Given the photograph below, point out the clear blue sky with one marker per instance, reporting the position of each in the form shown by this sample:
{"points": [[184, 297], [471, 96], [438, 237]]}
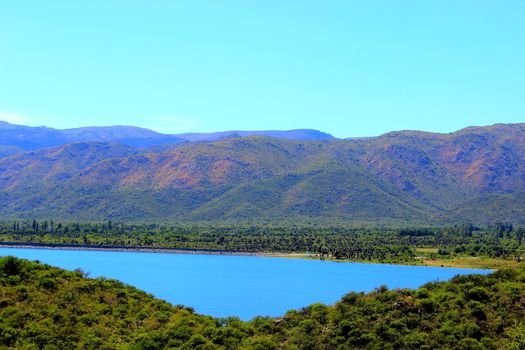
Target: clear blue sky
{"points": [[351, 68]]}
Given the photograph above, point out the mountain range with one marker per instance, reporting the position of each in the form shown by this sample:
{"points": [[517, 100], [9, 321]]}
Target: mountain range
{"points": [[473, 175], [18, 138]]}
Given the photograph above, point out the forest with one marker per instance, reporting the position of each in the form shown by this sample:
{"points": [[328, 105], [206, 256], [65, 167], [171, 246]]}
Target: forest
{"points": [[42, 307], [409, 245]]}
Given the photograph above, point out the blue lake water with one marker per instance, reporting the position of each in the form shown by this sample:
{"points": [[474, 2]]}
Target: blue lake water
{"points": [[243, 286]]}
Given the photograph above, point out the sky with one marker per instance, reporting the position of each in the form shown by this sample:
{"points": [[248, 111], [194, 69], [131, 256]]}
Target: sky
{"points": [[350, 68]]}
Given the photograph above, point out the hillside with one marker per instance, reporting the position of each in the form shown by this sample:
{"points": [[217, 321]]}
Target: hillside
{"points": [[473, 175], [49, 308]]}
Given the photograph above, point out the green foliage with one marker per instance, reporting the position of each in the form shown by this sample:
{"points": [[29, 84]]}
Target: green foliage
{"points": [[336, 241], [10, 266]]}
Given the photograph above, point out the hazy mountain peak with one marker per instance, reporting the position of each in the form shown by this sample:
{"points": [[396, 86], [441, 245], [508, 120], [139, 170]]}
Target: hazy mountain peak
{"points": [[17, 138], [111, 131], [295, 134]]}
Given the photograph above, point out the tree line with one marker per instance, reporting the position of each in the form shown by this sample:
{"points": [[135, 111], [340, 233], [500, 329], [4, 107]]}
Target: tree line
{"points": [[498, 240]]}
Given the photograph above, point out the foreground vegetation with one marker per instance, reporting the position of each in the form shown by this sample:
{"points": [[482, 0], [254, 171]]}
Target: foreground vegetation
{"points": [[463, 246], [42, 307]]}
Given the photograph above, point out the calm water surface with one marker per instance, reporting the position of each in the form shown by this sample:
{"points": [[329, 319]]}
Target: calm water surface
{"points": [[243, 286]]}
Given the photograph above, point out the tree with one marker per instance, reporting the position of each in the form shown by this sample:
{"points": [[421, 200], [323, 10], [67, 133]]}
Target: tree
{"points": [[10, 266], [520, 234]]}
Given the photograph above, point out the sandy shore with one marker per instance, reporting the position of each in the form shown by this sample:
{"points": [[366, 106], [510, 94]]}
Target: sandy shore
{"points": [[144, 249], [468, 263]]}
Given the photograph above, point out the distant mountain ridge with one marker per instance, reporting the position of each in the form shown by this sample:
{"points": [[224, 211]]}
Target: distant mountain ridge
{"points": [[298, 134], [473, 175], [18, 138]]}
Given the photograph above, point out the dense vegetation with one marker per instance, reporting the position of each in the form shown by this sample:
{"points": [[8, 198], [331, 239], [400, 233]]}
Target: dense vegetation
{"points": [[406, 245], [42, 307]]}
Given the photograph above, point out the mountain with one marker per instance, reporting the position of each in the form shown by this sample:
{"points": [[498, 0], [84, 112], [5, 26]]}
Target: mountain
{"points": [[23, 138], [18, 138], [473, 175], [37, 170], [128, 135], [298, 134]]}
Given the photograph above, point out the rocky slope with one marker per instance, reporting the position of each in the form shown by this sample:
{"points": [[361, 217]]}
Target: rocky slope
{"points": [[476, 175]]}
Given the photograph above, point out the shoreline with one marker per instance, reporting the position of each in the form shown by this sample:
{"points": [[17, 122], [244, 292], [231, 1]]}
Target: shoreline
{"points": [[460, 263], [138, 249]]}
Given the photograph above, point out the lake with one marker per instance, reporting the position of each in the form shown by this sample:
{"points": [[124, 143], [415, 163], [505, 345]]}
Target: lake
{"points": [[243, 286]]}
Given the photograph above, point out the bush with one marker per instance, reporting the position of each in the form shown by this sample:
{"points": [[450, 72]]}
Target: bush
{"points": [[10, 266]]}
